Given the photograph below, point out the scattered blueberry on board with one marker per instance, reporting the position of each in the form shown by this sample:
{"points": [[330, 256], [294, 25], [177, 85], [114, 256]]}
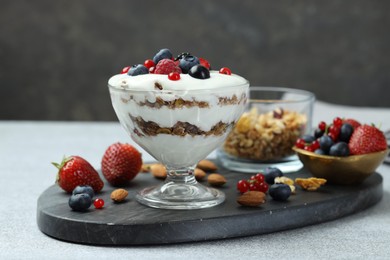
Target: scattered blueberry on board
{"points": [[84, 189], [270, 173], [80, 202], [279, 191]]}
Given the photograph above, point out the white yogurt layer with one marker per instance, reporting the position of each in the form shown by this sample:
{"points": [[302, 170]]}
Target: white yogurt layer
{"points": [[129, 94], [186, 82]]}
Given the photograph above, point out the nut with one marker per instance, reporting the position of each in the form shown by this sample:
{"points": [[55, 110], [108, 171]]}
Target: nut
{"points": [[146, 167], [251, 198], [158, 171], [216, 179], [119, 195], [265, 135], [207, 166], [199, 174], [310, 184]]}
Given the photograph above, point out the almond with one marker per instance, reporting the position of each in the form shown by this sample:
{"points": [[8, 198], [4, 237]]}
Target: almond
{"points": [[158, 171], [199, 174], [216, 179], [251, 198], [119, 195], [207, 166]]}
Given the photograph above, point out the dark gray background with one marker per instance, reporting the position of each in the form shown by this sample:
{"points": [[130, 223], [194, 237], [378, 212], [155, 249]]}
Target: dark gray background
{"points": [[56, 56]]}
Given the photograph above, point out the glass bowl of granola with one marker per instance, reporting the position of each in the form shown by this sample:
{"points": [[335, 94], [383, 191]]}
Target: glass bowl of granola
{"points": [[265, 134]]}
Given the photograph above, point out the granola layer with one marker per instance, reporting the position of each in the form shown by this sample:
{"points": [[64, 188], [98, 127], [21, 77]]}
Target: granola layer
{"points": [[151, 128], [180, 102]]}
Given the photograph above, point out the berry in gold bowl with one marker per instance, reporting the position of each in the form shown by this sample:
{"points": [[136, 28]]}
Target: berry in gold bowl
{"points": [[348, 170]]}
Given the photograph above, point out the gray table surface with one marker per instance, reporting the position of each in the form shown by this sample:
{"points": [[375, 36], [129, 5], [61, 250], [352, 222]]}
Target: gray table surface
{"points": [[28, 147]]}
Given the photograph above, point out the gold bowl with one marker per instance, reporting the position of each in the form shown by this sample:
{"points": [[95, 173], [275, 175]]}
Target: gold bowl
{"points": [[348, 170]]}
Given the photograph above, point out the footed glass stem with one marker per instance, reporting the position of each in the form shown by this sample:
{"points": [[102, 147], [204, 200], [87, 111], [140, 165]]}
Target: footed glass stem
{"points": [[180, 190]]}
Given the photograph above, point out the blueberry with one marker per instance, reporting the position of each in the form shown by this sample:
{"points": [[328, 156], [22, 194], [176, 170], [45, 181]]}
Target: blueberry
{"points": [[80, 202], [318, 133], [162, 54], [320, 152], [308, 138], [325, 143], [84, 189], [339, 149], [345, 132], [199, 72], [270, 173], [279, 191], [188, 61], [137, 70]]}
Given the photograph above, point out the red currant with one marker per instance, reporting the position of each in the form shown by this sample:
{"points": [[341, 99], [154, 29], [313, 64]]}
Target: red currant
{"points": [[204, 63], [151, 70], [300, 143], [149, 63], [309, 148], [254, 186], [242, 186], [225, 70], [333, 136], [335, 131], [338, 122], [125, 69], [174, 76], [98, 203], [263, 187], [260, 177], [322, 126], [315, 145]]}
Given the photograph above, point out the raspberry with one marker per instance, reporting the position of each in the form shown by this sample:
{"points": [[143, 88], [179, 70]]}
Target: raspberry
{"points": [[166, 66]]}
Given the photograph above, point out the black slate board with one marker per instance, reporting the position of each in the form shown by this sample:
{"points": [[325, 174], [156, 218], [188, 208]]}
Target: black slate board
{"points": [[131, 223]]}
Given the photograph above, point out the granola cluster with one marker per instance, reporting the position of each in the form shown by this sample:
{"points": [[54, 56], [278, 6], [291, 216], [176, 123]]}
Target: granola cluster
{"points": [[265, 136], [179, 129]]}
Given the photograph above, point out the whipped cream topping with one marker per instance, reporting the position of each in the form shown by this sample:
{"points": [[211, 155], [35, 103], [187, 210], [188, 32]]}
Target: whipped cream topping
{"points": [[186, 82]]}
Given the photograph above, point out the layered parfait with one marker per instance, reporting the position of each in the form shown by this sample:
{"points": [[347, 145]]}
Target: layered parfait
{"points": [[178, 110]]}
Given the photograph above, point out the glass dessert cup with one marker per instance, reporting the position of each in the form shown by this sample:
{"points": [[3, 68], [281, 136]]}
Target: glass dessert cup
{"points": [[265, 134], [179, 128]]}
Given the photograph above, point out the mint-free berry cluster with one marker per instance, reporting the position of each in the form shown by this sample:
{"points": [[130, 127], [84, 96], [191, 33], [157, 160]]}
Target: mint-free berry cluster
{"points": [[343, 137], [164, 62], [81, 198], [265, 182]]}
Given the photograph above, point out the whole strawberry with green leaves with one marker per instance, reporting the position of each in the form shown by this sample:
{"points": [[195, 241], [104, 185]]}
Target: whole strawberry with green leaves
{"points": [[367, 139], [75, 171], [121, 163]]}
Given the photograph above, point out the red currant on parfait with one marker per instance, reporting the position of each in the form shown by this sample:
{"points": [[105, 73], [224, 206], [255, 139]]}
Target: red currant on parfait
{"points": [[98, 203], [225, 70], [174, 76], [125, 69], [205, 63], [149, 63]]}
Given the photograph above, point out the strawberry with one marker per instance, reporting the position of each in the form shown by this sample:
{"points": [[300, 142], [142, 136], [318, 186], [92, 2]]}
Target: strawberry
{"points": [[354, 123], [121, 163], [74, 171], [367, 139], [166, 66]]}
